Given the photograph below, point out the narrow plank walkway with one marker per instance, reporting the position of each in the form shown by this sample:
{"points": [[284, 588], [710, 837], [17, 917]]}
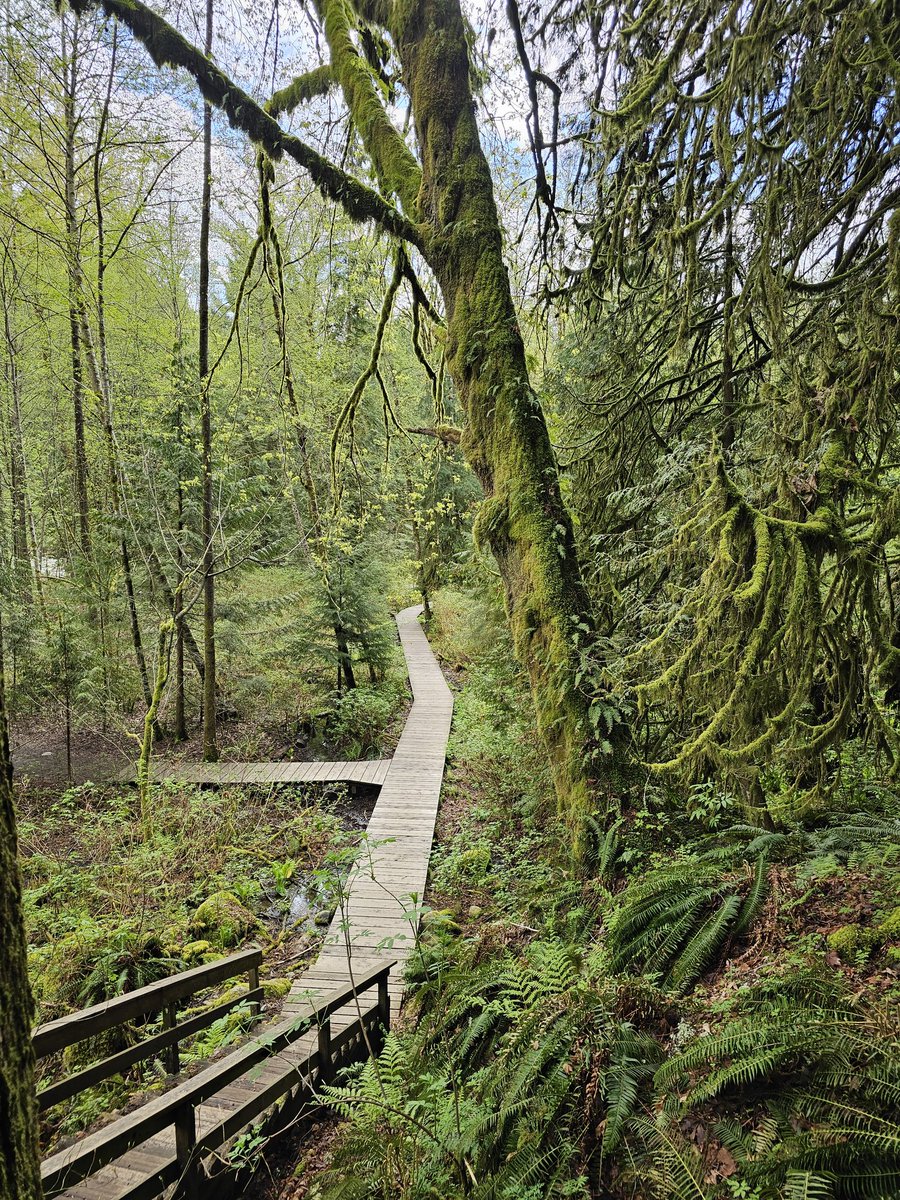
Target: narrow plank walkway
{"points": [[379, 915], [372, 771], [376, 921]]}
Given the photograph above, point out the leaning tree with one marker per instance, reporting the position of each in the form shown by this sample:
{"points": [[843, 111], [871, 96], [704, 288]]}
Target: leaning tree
{"points": [[437, 202]]}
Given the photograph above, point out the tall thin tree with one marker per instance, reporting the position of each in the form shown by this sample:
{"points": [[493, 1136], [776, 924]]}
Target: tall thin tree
{"points": [[210, 747], [20, 1177]]}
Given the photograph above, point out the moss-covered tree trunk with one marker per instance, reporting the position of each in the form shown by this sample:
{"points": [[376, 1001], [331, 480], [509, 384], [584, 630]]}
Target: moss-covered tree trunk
{"points": [[523, 519], [19, 1164]]}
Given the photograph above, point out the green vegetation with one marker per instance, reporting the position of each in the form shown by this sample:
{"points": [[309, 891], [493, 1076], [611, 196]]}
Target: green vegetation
{"points": [[708, 1011], [578, 323]]}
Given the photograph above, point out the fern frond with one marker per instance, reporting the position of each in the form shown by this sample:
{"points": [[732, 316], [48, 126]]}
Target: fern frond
{"points": [[696, 955], [803, 1185]]}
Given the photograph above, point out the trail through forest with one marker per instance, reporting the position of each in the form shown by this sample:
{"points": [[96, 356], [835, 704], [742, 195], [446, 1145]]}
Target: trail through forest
{"points": [[577, 325]]}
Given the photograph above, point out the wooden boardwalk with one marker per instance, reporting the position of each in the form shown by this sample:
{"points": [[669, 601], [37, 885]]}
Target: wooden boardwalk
{"points": [[379, 917], [372, 771], [377, 921]]}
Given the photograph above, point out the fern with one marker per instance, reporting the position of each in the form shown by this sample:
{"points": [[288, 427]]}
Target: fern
{"points": [[631, 1060], [674, 1166], [675, 921], [803, 1185]]}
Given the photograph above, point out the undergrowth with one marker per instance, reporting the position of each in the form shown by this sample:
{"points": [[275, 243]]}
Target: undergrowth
{"points": [[109, 910], [708, 1012]]}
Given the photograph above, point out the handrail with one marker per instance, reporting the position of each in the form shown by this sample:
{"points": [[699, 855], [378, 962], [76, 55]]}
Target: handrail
{"points": [[176, 1107], [163, 995], [66, 1031]]}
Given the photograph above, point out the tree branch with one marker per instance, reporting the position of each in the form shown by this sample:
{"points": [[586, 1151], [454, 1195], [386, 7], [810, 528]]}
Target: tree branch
{"points": [[398, 171], [448, 434], [168, 48], [301, 89]]}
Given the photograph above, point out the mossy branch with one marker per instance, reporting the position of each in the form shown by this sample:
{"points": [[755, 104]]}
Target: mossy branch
{"points": [[301, 90], [396, 167], [143, 766], [168, 48]]}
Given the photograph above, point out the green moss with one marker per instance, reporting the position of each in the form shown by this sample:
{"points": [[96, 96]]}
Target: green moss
{"points": [[195, 952], [491, 521], [852, 941], [398, 172], [300, 90], [846, 941], [275, 989], [224, 919], [889, 929]]}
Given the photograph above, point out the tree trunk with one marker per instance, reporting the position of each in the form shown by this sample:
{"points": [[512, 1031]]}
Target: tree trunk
{"points": [[20, 1175], [210, 748], [523, 518], [18, 482], [174, 605], [103, 386], [180, 731], [73, 257]]}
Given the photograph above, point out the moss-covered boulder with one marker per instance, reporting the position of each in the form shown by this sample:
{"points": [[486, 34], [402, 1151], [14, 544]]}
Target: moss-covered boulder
{"points": [[889, 929], [275, 989], [845, 941], [196, 952], [853, 941], [223, 920]]}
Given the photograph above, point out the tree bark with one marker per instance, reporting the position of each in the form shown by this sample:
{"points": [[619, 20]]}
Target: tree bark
{"points": [[73, 258], [20, 1174], [210, 748], [18, 476]]}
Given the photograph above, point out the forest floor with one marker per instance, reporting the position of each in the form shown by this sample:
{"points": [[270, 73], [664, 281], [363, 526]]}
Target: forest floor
{"points": [[38, 744], [814, 982]]}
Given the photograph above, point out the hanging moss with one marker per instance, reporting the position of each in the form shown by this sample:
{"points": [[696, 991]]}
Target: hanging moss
{"points": [[301, 90], [397, 170]]}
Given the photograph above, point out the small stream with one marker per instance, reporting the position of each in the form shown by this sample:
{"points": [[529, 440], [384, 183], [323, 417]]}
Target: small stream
{"points": [[310, 896]]}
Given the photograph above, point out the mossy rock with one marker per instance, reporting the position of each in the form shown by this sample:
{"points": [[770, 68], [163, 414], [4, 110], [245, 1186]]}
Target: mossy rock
{"points": [[274, 989], [889, 929], [852, 940], [440, 920], [195, 952], [224, 920], [845, 941]]}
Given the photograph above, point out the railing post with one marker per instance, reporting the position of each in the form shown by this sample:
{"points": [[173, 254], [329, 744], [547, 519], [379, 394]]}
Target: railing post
{"points": [[324, 1037], [185, 1141], [172, 1056], [252, 985], [384, 1001]]}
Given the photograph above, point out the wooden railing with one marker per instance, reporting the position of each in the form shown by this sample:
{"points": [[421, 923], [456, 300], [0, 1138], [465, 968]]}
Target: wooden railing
{"points": [[176, 1109], [163, 997]]}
